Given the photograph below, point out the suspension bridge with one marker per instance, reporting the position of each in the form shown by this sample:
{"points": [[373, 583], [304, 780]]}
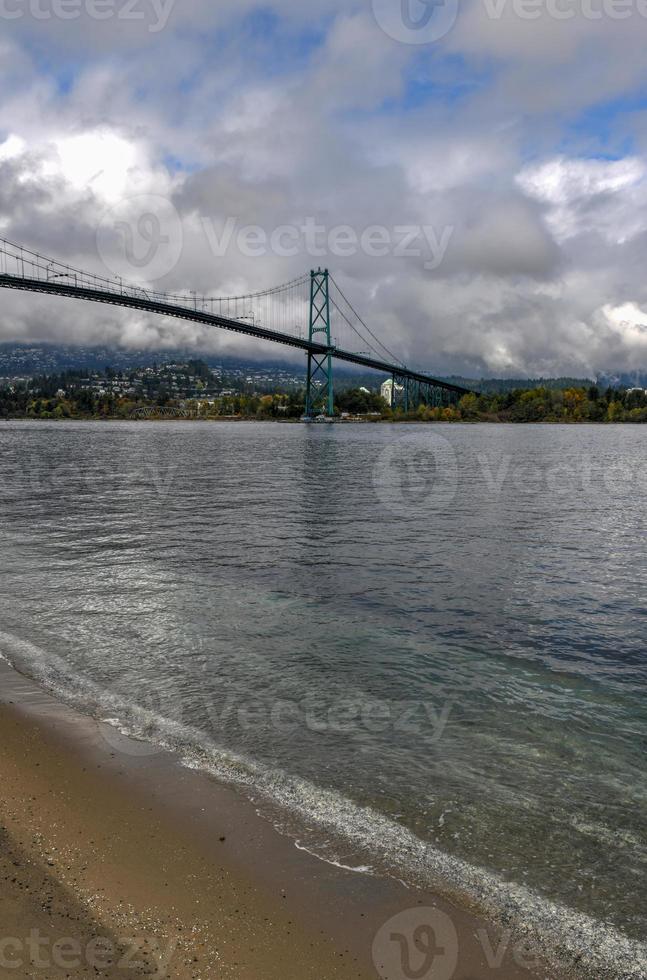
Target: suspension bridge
{"points": [[310, 313]]}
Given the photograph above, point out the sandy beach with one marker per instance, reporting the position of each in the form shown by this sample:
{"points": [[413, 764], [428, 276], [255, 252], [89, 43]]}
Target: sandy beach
{"points": [[116, 861]]}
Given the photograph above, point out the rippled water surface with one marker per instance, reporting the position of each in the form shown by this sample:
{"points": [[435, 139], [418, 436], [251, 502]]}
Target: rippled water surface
{"points": [[444, 624]]}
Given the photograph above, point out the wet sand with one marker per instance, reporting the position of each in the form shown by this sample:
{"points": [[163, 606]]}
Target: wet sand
{"points": [[117, 861]]}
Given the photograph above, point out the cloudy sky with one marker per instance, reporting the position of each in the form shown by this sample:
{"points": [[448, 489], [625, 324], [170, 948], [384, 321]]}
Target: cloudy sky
{"points": [[474, 174]]}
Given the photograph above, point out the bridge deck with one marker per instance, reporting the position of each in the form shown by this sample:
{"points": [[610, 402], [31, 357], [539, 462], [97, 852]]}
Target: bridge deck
{"points": [[211, 319]]}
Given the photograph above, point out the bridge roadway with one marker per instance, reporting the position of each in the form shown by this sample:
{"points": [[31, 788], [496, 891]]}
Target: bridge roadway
{"points": [[225, 323]]}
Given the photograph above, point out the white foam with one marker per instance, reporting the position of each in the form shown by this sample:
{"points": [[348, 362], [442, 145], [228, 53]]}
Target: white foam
{"points": [[362, 869]]}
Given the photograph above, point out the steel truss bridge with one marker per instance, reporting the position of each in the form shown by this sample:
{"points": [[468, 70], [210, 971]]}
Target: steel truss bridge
{"points": [[310, 314]]}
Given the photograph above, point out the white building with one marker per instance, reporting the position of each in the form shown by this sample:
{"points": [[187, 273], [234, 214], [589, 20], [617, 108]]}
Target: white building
{"points": [[387, 391]]}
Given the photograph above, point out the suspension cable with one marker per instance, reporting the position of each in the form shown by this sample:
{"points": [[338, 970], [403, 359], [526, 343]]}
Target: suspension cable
{"points": [[365, 325]]}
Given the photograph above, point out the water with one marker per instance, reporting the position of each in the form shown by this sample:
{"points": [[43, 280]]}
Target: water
{"points": [[426, 643]]}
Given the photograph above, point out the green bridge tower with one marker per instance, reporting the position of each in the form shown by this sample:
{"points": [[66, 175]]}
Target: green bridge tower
{"points": [[319, 391]]}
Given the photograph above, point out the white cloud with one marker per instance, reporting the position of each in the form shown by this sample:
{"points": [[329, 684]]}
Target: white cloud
{"points": [[314, 112], [629, 322], [563, 181], [12, 147], [597, 196], [100, 161]]}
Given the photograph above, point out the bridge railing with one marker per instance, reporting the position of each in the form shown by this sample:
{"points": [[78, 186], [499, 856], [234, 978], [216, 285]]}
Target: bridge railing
{"points": [[22, 263]]}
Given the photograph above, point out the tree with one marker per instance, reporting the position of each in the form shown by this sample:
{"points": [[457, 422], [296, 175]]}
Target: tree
{"points": [[468, 406]]}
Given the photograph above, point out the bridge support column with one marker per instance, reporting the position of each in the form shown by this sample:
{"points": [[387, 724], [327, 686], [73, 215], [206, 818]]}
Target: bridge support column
{"points": [[406, 386], [319, 392]]}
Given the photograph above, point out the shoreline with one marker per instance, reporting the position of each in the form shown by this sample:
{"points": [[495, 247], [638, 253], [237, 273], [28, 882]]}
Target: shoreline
{"points": [[356, 421], [142, 847]]}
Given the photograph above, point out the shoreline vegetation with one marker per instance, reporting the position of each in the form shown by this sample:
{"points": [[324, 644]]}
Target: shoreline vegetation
{"points": [[66, 397], [190, 391]]}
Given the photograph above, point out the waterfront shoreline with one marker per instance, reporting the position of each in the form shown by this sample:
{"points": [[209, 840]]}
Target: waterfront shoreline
{"points": [[202, 594], [353, 421], [177, 865]]}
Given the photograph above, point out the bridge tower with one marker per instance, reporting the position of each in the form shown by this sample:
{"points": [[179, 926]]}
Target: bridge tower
{"points": [[319, 391]]}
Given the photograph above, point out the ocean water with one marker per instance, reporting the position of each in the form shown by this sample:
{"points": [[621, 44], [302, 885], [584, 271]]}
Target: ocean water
{"points": [[422, 647]]}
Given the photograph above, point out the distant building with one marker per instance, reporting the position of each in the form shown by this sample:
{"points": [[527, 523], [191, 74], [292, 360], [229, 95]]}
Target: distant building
{"points": [[387, 391]]}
